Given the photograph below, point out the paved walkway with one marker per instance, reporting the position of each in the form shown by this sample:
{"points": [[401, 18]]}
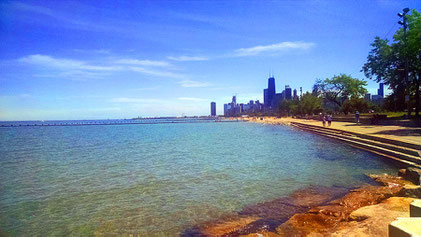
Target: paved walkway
{"points": [[399, 133]]}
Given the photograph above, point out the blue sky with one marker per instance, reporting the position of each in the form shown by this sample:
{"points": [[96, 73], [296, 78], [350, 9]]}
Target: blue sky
{"points": [[123, 59]]}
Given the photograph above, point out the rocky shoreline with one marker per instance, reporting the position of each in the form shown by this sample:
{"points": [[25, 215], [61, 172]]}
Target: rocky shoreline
{"points": [[318, 210], [321, 211]]}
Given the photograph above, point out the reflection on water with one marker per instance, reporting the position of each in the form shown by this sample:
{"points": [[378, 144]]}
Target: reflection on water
{"points": [[159, 179]]}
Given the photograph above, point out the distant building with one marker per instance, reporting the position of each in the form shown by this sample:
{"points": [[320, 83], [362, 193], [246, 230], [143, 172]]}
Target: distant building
{"points": [[213, 108], [380, 91], [288, 92], [241, 108], [367, 97], [295, 96], [226, 109], [265, 98], [271, 90]]}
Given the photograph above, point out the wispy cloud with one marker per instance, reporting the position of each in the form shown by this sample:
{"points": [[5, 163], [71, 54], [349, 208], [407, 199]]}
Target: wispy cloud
{"points": [[143, 62], [60, 63], [273, 48], [191, 99], [61, 19], [157, 73], [184, 58], [71, 67], [191, 83]]}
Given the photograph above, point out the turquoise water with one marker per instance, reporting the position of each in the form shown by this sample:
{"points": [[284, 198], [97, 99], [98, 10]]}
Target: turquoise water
{"points": [[159, 179]]}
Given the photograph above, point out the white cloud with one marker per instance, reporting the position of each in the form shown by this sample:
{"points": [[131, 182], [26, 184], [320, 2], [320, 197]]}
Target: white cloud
{"points": [[157, 73], [60, 63], [77, 68], [191, 99], [273, 48], [143, 62], [190, 83], [188, 58]]}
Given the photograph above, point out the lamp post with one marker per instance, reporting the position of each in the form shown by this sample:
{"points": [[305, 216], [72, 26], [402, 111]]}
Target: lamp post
{"points": [[405, 26]]}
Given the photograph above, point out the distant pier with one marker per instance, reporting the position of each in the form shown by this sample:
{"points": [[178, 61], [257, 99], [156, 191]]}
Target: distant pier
{"points": [[113, 122]]}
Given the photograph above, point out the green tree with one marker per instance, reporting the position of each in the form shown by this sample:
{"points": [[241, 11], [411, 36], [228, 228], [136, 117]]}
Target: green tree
{"points": [[309, 104], [354, 104], [339, 88], [386, 62], [286, 107]]}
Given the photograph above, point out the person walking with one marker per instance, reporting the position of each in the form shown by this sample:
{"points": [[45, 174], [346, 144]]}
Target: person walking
{"points": [[329, 120], [324, 121], [357, 116]]}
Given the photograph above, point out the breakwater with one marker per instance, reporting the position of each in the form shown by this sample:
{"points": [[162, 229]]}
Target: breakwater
{"points": [[112, 122]]}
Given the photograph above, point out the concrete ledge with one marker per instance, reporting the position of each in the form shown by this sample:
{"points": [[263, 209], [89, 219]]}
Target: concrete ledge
{"points": [[405, 227], [413, 175], [415, 208]]}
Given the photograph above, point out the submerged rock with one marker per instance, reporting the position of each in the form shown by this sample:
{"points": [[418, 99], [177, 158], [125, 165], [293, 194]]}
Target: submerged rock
{"points": [[337, 214]]}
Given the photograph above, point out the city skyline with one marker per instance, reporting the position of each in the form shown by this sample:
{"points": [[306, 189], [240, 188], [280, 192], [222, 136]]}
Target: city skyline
{"points": [[162, 58]]}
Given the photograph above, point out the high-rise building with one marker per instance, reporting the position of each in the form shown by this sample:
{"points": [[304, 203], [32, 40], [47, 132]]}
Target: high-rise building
{"points": [[271, 90], [288, 92], [294, 94], [241, 108], [380, 91], [226, 109], [213, 108], [367, 97], [265, 98]]}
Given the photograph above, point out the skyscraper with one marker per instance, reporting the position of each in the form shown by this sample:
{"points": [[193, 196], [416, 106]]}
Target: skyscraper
{"points": [[213, 108], [288, 92], [225, 110], [271, 90], [380, 91], [265, 98], [294, 94], [367, 97]]}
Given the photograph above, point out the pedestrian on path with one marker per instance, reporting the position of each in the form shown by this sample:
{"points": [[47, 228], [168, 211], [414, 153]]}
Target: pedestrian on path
{"points": [[357, 116], [324, 121], [329, 120]]}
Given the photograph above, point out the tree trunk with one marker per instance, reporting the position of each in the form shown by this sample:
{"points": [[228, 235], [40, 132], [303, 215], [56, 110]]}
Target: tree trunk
{"points": [[417, 95]]}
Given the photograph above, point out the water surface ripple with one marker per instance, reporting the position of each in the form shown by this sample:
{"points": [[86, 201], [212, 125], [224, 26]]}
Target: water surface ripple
{"points": [[159, 179]]}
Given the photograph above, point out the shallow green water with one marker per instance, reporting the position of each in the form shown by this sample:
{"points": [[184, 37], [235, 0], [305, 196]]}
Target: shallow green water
{"points": [[159, 179]]}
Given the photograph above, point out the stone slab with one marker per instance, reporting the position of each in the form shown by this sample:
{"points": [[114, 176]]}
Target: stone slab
{"points": [[405, 227], [412, 174], [415, 208]]}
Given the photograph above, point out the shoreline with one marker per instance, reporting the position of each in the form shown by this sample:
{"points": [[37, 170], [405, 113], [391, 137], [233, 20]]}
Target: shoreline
{"points": [[366, 210], [319, 211], [391, 132]]}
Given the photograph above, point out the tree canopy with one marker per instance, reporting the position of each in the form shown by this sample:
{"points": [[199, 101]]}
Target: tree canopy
{"points": [[386, 62], [339, 88]]}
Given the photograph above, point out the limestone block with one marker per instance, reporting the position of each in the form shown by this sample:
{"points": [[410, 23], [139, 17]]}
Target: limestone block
{"points": [[413, 191], [413, 175], [415, 208], [405, 227]]}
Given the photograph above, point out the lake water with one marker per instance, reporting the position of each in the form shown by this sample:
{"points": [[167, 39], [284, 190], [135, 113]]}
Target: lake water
{"points": [[159, 179]]}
